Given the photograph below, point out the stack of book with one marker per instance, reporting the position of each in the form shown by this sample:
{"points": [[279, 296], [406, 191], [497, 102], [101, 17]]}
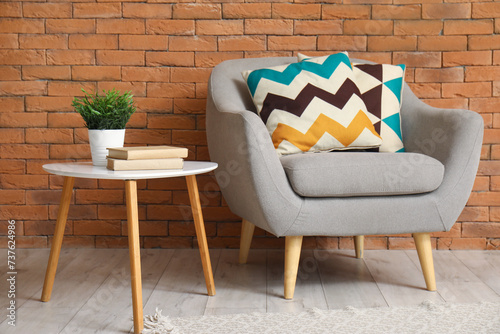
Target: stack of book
{"points": [[146, 157]]}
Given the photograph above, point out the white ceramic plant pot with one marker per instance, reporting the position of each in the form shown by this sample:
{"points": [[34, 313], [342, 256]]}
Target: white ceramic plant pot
{"points": [[100, 140]]}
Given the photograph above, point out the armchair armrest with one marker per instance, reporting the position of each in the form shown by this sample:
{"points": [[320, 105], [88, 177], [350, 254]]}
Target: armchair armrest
{"points": [[451, 136], [250, 174]]}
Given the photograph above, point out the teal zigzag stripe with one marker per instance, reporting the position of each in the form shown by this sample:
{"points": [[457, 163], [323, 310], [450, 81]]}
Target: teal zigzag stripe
{"points": [[395, 86], [394, 122], [324, 70]]}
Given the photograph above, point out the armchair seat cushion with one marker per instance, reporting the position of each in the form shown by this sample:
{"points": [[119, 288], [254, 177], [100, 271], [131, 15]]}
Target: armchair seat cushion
{"points": [[350, 174]]}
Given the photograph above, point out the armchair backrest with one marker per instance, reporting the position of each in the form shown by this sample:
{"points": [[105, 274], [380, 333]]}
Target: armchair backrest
{"points": [[231, 92]]}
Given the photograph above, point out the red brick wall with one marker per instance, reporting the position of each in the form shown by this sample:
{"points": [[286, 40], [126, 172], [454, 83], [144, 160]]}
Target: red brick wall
{"points": [[164, 51]]}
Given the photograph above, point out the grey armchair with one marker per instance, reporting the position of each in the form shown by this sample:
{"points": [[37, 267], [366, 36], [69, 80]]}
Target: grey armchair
{"points": [[342, 193]]}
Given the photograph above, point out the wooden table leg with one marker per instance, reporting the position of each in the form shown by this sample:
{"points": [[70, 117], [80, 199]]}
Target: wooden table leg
{"points": [[135, 253], [194, 198], [55, 250]]}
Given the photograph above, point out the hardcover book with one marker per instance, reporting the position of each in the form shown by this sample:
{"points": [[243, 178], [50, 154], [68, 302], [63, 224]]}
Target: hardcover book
{"points": [[147, 152], [149, 164]]}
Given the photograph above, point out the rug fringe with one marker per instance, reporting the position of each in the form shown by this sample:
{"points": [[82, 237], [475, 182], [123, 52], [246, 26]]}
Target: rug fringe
{"points": [[426, 317], [158, 324]]}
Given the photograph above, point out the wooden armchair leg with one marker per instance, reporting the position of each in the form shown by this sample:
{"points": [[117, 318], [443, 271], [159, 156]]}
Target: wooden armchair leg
{"points": [[293, 245], [247, 229], [359, 245], [424, 250]]}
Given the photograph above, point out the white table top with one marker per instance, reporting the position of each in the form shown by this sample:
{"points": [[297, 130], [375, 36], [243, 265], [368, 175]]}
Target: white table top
{"points": [[87, 170]]}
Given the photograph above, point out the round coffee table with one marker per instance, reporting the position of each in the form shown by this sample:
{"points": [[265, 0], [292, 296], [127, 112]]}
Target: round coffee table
{"points": [[70, 171]]}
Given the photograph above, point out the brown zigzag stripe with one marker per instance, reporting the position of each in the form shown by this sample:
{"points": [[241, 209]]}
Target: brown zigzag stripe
{"points": [[375, 71], [304, 141], [373, 102], [299, 104]]}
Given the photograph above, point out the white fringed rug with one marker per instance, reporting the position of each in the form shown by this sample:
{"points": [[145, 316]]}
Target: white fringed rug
{"points": [[428, 317]]}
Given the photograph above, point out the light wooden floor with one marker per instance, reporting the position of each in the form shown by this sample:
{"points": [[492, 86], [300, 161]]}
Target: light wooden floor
{"points": [[92, 287]]}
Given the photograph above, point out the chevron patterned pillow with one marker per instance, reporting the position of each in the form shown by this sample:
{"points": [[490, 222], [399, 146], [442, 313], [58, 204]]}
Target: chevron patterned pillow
{"points": [[381, 87], [312, 106]]}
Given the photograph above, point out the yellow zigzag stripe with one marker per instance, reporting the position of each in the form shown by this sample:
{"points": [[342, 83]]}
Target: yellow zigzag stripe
{"points": [[323, 124]]}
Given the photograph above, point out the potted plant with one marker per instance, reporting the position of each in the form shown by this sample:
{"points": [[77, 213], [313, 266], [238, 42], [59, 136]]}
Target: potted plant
{"points": [[106, 117]]}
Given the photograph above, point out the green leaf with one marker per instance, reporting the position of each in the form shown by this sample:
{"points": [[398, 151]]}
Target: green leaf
{"points": [[111, 110]]}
